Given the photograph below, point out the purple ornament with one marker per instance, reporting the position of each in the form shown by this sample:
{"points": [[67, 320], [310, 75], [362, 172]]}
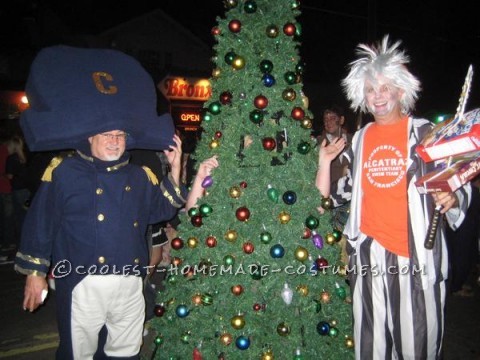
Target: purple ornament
{"points": [[317, 240], [207, 182]]}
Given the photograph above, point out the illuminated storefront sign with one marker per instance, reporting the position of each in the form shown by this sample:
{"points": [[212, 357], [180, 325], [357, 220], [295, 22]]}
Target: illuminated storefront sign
{"points": [[180, 88]]}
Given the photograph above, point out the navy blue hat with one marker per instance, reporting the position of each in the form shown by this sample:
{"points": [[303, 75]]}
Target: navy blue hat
{"points": [[75, 93]]}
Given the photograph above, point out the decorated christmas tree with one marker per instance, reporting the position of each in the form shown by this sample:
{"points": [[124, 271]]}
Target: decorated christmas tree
{"points": [[256, 269]]}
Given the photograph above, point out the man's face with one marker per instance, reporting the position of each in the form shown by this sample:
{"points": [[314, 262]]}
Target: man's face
{"points": [[332, 123], [108, 146], [382, 97]]}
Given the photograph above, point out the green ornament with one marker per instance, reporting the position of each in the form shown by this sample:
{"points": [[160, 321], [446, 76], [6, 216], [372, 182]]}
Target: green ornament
{"points": [[333, 332], [290, 77], [194, 211], [256, 116], [273, 194], [304, 148], [337, 234], [229, 57], [207, 299], [205, 209], [265, 237], [215, 107], [266, 66], [250, 6], [229, 260], [312, 222], [158, 340]]}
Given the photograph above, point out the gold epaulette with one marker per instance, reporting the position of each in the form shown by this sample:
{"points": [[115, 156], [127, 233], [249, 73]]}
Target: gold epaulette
{"points": [[47, 174], [151, 176]]}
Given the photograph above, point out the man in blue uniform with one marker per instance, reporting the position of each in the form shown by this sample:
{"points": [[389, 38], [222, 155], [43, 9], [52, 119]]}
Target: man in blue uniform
{"points": [[87, 222]]}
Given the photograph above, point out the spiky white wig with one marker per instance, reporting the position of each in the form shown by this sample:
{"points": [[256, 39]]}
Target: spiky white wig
{"points": [[385, 60]]}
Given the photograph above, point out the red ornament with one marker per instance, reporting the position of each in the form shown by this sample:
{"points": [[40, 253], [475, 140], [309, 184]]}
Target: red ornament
{"points": [[321, 263], [196, 354], [226, 98], [211, 241], [215, 31], [289, 29], [243, 184], [257, 307], [307, 233], [298, 113], [218, 134], [248, 248], [196, 221], [177, 243], [237, 290], [260, 102], [235, 26], [269, 143], [242, 213], [159, 310]]}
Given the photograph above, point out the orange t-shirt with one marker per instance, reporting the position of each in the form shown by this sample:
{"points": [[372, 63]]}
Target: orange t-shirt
{"points": [[384, 186]]}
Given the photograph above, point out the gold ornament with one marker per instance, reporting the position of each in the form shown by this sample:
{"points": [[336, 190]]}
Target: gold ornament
{"points": [[349, 342], [330, 239], [306, 123], [192, 242], [216, 73], [235, 192], [238, 322], [226, 339], [268, 355], [325, 297], [214, 144], [289, 94], [301, 254], [197, 299], [303, 289], [283, 329], [231, 235], [238, 63], [284, 217]]}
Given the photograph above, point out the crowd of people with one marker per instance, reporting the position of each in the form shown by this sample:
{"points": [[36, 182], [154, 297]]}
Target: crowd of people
{"points": [[106, 193]]}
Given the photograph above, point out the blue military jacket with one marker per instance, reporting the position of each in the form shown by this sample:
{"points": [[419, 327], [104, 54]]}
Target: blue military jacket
{"points": [[90, 216]]}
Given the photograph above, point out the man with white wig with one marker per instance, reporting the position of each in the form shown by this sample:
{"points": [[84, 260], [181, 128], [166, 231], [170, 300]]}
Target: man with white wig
{"points": [[398, 286]]}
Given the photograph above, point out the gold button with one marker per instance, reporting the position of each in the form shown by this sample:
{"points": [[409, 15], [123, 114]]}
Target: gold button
{"points": [[100, 217], [101, 259], [135, 224], [99, 191], [128, 188], [136, 260]]}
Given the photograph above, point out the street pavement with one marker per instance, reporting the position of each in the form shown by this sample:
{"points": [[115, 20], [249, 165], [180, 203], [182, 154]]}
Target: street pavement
{"points": [[29, 336]]}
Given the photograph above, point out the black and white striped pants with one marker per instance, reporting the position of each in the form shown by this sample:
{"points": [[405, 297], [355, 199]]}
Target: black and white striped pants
{"points": [[394, 318]]}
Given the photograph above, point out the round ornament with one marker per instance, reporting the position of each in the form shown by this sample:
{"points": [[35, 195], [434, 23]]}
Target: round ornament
{"points": [[177, 243], [297, 113], [238, 62], [265, 237], [242, 342], [229, 260], [289, 29], [260, 102], [277, 251], [323, 328], [269, 143], [182, 311], [229, 57], [211, 241], [159, 310], [268, 80], [272, 31], [266, 66], [231, 235], [312, 222], [242, 213], [284, 217], [235, 192], [289, 197], [196, 220], [304, 148], [301, 254], [192, 242], [226, 98], [237, 322], [289, 94], [237, 290], [290, 77], [248, 247], [283, 329], [250, 6], [256, 116], [235, 26], [215, 108], [226, 339]]}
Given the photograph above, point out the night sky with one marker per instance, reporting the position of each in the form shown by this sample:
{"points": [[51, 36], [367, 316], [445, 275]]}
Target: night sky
{"points": [[441, 37]]}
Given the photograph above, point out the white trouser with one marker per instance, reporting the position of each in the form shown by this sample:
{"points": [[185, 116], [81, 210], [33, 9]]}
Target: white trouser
{"points": [[112, 300]]}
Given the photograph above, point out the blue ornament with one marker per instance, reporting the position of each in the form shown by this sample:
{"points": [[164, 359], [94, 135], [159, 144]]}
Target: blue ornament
{"points": [[323, 328], [242, 342], [277, 251], [182, 311], [289, 197], [268, 80]]}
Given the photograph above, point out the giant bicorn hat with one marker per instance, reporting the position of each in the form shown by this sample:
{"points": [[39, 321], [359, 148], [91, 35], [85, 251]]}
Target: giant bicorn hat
{"points": [[75, 93]]}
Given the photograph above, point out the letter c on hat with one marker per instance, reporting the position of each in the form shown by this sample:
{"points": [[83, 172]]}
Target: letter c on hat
{"points": [[99, 77]]}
